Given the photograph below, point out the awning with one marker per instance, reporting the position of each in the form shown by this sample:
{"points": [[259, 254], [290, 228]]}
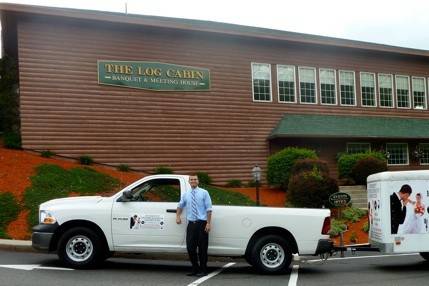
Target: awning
{"points": [[303, 125]]}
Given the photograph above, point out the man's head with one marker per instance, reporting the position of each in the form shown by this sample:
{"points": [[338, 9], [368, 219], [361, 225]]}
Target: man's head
{"points": [[193, 180], [405, 192]]}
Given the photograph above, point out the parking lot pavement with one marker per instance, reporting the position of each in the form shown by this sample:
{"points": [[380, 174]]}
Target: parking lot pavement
{"points": [[18, 268]]}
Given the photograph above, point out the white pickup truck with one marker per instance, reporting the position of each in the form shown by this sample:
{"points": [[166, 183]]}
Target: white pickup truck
{"points": [[142, 218]]}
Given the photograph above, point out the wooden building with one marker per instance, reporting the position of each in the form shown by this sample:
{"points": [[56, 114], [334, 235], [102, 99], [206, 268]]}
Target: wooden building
{"points": [[222, 97]]}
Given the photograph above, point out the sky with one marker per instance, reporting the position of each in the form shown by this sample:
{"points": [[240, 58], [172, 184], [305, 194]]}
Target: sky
{"points": [[398, 23]]}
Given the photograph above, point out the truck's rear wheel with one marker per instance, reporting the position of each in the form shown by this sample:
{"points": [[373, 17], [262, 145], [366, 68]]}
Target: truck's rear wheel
{"points": [[271, 254], [425, 255], [80, 247]]}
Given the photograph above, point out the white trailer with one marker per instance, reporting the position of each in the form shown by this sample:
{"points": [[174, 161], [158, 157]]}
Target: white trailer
{"points": [[398, 222]]}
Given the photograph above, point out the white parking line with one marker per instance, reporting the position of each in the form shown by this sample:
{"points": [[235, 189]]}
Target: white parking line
{"points": [[293, 279], [29, 267], [214, 273], [359, 257]]}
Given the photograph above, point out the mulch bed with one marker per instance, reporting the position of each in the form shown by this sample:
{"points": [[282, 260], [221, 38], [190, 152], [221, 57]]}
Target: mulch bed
{"points": [[17, 167]]}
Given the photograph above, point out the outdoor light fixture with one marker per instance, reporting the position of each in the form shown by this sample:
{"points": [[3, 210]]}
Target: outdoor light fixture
{"points": [[256, 172]]}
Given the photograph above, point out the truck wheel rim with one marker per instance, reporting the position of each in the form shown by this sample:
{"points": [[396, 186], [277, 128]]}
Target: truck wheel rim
{"points": [[272, 255], [79, 248]]}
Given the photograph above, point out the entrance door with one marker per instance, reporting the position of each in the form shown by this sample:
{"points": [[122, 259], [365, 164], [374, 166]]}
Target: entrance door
{"points": [[147, 221]]}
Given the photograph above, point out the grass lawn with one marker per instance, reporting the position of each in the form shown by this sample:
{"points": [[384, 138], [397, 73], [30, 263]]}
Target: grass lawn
{"points": [[51, 182]]}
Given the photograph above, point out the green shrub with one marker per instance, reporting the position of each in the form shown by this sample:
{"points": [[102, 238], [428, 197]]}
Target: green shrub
{"points": [[365, 227], [365, 167], [234, 183], [337, 226], [311, 189], [124, 168], [204, 178], [159, 170], [251, 184], [346, 162], [308, 165], [280, 164], [51, 182], [9, 210], [86, 160], [12, 140], [353, 214], [47, 154], [9, 97]]}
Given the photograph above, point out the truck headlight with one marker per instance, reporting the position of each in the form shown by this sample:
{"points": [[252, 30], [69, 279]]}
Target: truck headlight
{"points": [[47, 218]]}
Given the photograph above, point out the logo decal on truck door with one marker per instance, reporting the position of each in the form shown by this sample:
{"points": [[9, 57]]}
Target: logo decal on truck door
{"points": [[147, 221]]}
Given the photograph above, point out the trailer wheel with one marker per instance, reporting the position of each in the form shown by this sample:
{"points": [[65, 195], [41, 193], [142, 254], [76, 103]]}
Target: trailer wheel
{"points": [[425, 255], [80, 248], [271, 254]]}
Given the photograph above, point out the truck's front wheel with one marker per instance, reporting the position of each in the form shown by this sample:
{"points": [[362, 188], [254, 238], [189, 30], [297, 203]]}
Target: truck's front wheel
{"points": [[80, 247], [271, 254]]}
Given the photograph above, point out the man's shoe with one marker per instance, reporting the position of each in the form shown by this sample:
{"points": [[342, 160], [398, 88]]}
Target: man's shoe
{"points": [[201, 274], [192, 274]]}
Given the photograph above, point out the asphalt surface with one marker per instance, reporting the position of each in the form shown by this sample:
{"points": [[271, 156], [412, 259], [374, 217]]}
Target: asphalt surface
{"points": [[361, 269]]}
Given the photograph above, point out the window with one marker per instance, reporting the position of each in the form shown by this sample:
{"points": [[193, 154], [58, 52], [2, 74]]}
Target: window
{"points": [[419, 92], [155, 191], [357, 147], [385, 90], [286, 82], [424, 149], [347, 88], [398, 153], [307, 85], [328, 91], [261, 77], [367, 86], [402, 91]]}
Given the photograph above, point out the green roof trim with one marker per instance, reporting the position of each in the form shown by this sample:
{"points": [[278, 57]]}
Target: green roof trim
{"points": [[302, 125]]}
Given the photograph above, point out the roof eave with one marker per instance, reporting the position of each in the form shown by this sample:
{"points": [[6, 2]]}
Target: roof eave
{"points": [[207, 26]]}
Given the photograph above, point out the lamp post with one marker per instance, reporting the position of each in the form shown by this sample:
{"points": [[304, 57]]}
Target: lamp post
{"points": [[256, 172]]}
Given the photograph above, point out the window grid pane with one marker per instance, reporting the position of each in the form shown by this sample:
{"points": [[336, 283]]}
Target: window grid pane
{"points": [[347, 88], [261, 82], [385, 86], [353, 148], [398, 153], [287, 91], [419, 93], [402, 91], [424, 148], [368, 89], [327, 86], [307, 85], [286, 79]]}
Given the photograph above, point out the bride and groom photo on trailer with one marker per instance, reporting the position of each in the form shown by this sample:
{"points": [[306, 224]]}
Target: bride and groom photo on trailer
{"points": [[407, 214]]}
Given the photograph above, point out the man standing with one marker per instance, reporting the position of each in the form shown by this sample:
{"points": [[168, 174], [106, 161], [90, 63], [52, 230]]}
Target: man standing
{"points": [[199, 214], [398, 210]]}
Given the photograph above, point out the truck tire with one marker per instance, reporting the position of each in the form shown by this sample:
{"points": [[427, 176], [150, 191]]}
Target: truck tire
{"points": [[80, 248], [425, 255], [271, 254]]}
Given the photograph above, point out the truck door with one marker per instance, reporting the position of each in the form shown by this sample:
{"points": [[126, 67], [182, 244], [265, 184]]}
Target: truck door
{"points": [[147, 220]]}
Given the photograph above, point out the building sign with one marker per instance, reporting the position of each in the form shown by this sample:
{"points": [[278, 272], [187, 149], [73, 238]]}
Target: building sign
{"points": [[339, 199], [153, 76]]}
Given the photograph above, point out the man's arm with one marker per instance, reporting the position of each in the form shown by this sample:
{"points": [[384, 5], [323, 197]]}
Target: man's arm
{"points": [[208, 205], [209, 221], [178, 213]]}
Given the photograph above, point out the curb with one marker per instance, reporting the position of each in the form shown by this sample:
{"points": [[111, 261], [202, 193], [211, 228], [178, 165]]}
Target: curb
{"points": [[16, 245], [25, 246]]}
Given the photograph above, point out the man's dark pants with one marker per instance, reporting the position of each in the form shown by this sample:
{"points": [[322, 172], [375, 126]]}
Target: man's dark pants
{"points": [[197, 237]]}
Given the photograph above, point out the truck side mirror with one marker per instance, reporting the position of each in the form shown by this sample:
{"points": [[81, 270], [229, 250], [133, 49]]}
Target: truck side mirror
{"points": [[126, 196]]}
